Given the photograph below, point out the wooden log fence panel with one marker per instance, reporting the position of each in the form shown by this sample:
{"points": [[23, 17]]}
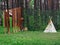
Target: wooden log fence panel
{"points": [[14, 19], [6, 20], [19, 18]]}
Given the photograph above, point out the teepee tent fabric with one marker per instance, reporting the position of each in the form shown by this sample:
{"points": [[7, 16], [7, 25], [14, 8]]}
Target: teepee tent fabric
{"points": [[50, 27]]}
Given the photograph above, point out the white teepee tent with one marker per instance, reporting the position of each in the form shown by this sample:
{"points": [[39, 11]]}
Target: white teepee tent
{"points": [[50, 27]]}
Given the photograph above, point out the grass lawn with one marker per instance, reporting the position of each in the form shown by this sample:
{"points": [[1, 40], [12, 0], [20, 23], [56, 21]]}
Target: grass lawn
{"points": [[30, 38]]}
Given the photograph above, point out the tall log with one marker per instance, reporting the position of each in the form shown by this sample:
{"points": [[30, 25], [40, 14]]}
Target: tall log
{"points": [[19, 18], [6, 20], [6, 16], [14, 19]]}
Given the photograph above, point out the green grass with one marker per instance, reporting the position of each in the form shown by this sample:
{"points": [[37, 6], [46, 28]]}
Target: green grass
{"points": [[30, 38]]}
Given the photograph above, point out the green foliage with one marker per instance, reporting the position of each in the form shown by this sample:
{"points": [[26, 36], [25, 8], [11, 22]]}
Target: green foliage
{"points": [[31, 4], [1, 17], [30, 38], [0, 0], [1, 29]]}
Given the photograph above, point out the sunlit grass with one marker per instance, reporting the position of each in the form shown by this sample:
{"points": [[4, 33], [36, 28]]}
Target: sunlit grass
{"points": [[30, 38]]}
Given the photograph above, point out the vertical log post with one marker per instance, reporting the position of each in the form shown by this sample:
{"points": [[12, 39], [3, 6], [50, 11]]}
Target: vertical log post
{"points": [[6, 20], [6, 17], [16, 16], [19, 18], [14, 19]]}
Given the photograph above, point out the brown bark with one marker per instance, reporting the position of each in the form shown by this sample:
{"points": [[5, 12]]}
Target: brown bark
{"points": [[19, 18], [14, 19], [6, 20], [49, 4]]}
